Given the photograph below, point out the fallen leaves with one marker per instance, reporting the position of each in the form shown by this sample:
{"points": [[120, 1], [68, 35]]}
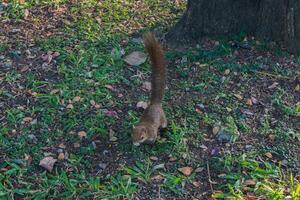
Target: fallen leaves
{"points": [[61, 156], [269, 155], [238, 96], [142, 104], [147, 85], [185, 170], [48, 163], [274, 85], [136, 58], [82, 134]]}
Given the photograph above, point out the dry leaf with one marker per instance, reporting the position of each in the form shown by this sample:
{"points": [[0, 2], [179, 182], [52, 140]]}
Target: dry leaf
{"points": [[27, 119], [48, 163], [153, 158], [227, 71], [199, 169], [76, 145], [146, 85], [196, 184], [238, 96], [186, 170], [172, 159], [269, 155], [136, 58], [110, 87], [28, 158], [297, 88], [62, 146], [141, 104], [92, 102], [274, 85], [249, 182], [111, 113], [157, 178], [76, 99], [61, 156], [254, 100], [70, 106], [26, 13], [82, 134], [249, 102]]}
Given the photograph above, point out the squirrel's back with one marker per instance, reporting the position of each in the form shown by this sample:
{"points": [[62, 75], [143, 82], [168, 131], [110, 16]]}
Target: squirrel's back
{"points": [[158, 78]]}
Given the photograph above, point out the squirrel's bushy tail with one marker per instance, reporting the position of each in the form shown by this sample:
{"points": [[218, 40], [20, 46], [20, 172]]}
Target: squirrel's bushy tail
{"points": [[158, 79]]}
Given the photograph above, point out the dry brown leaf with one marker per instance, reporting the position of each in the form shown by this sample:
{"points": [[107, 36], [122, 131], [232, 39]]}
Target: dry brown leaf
{"points": [[27, 119], [82, 134], [157, 178], [28, 158], [250, 182], [62, 146], [70, 106], [227, 71], [76, 99], [196, 184], [186, 170], [61, 156], [269, 155], [249, 102], [238, 96], [48, 163], [153, 158]]}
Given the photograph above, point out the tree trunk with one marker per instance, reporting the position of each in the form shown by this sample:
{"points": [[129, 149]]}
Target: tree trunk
{"points": [[271, 20]]}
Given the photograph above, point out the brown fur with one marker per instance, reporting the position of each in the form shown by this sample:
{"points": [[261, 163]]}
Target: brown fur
{"points": [[146, 131]]}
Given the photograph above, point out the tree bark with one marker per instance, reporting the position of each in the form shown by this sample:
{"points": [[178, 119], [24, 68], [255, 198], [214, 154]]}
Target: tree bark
{"points": [[271, 20]]}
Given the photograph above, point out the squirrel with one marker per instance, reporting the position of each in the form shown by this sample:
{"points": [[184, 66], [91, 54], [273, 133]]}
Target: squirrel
{"points": [[153, 118]]}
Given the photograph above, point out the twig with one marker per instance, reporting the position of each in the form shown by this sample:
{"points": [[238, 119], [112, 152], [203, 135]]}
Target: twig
{"points": [[209, 177]]}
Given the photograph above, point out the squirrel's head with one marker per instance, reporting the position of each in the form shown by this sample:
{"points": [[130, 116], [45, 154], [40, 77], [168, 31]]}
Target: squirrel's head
{"points": [[143, 134]]}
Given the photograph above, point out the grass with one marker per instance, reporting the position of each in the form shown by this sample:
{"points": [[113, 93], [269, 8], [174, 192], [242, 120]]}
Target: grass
{"points": [[78, 81]]}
